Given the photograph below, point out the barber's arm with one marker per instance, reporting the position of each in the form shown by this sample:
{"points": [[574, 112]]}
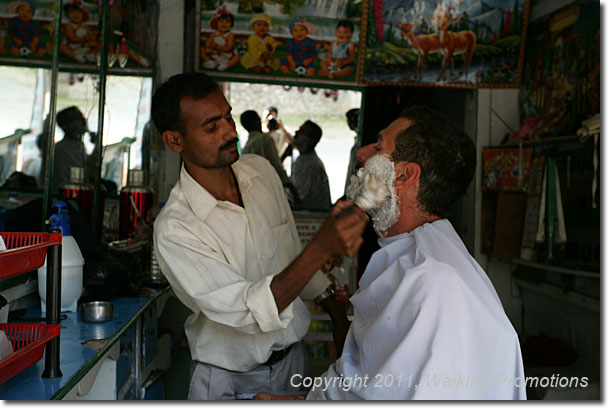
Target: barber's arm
{"points": [[206, 283], [337, 237]]}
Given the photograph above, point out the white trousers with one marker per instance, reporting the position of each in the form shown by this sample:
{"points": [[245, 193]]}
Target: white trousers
{"points": [[209, 382]]}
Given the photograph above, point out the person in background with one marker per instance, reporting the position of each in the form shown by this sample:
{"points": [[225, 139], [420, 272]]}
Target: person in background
{"points": [[352, 116], [70, 151], [428, 323], [308, 172], [227, 243], [263, 145]]}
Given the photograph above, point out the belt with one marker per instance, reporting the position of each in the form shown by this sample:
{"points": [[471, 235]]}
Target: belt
{"points": [[277, 356]]}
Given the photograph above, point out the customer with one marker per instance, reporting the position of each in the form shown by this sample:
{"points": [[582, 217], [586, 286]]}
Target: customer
{"points": [[308, 172], [227, 243], [428, 323]]}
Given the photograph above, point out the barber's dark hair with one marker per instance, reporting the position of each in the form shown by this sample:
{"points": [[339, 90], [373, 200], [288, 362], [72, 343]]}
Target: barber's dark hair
{"points": [[250, 121], [273, 108], [165, 109], [346, 23], [273, 124], [315, 132], [445, 154]]}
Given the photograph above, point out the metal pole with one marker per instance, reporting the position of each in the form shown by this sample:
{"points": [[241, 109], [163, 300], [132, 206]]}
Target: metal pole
{"points": [[48, 171], [51, 364], [97, 223]]}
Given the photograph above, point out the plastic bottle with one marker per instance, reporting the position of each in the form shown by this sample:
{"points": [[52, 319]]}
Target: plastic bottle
{"points": [[71, 264]]}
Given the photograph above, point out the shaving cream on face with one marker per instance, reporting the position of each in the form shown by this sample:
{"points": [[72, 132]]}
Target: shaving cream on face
{"points": [[372, 189]]}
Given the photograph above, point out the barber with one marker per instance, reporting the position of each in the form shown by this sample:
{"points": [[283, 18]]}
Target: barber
{"points": [[227, 243]]}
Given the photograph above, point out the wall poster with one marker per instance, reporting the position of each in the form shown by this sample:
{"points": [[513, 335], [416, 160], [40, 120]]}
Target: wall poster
{"points": [[562, 73], [314, 40], [27, 27], [446, 43]]}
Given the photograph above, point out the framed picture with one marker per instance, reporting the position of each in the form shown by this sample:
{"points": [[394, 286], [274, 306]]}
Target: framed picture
{"points": [[562, 73], [27, 27], [444, 43], [280, 39]]}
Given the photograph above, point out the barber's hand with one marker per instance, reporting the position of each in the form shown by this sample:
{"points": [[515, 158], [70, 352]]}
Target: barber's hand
{"points": [[269, 396], [341, 232]]}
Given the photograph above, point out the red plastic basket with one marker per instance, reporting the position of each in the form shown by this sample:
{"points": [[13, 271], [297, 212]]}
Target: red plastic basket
{"points": [[26, 251], [28, 346]]}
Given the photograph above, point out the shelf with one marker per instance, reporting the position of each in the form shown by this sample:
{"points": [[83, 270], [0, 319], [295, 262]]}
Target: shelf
{"points": [[572, 298], [555, 268]]}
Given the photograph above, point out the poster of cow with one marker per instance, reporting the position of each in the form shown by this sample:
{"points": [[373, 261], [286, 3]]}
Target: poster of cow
{"points": [[446, 43]]}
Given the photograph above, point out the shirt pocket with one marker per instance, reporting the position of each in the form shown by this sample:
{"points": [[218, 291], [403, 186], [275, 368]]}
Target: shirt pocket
{"points": [[277, 249]]}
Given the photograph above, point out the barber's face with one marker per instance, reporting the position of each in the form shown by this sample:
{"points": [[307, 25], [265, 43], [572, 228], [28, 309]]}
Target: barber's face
{"points": [[386, 140], [211, 139]]}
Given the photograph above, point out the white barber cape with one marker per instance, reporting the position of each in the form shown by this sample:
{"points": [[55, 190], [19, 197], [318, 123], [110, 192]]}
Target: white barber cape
{"points": [[428, 325]]}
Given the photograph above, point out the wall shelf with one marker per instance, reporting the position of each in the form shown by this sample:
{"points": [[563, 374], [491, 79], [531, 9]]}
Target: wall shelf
{"points": [[555, 268]]}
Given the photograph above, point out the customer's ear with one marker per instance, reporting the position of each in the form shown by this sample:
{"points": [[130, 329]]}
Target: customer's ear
{"points": [[407, 173]]}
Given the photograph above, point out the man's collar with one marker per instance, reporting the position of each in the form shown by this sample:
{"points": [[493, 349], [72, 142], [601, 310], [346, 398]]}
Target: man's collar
{"points": [[201, 201]]}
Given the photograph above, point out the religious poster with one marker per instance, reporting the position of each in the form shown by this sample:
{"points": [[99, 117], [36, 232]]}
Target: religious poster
{"points": [[561, 74], [506, 169], [445, 43], [27, 32], [315, 40]]}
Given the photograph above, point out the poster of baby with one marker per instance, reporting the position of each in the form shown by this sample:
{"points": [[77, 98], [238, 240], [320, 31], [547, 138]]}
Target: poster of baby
{"points": [[312, 39]]}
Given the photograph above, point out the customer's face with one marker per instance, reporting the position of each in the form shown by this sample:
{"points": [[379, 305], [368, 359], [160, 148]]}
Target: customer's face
{"points": [[386, 140], [210, 139]]}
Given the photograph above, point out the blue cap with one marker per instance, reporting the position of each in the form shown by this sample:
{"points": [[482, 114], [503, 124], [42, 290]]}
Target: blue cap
{"points": [[60, 220]]}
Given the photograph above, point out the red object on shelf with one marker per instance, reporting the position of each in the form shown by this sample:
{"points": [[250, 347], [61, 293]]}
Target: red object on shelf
{"points": [[28, 344], [25, 252]]}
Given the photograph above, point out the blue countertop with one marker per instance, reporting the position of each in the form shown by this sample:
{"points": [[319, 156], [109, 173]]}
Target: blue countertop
{"points": [[29, 385]]}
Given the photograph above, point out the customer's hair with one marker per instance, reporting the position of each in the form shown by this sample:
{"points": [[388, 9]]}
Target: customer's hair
{"points": [[315, 132], [165, 110], [250, 121], [445, 154]]}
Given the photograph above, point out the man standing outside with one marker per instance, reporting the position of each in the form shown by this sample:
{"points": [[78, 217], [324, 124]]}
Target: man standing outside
{"points": [[70, 151], [227, 244], [308, 172], [263, 145], [428, 324]]}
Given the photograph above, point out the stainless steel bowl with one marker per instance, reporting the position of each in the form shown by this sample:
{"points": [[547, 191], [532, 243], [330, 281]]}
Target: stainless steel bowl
{"points": [[99, 311]]}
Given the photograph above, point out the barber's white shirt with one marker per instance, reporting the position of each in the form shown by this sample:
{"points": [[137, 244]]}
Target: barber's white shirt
{"points": [[427, 325], [220, 258]]}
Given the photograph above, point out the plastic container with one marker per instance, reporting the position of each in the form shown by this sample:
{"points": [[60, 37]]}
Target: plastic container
{"points": [[71, 265], [28, 346], [25, 252]]}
